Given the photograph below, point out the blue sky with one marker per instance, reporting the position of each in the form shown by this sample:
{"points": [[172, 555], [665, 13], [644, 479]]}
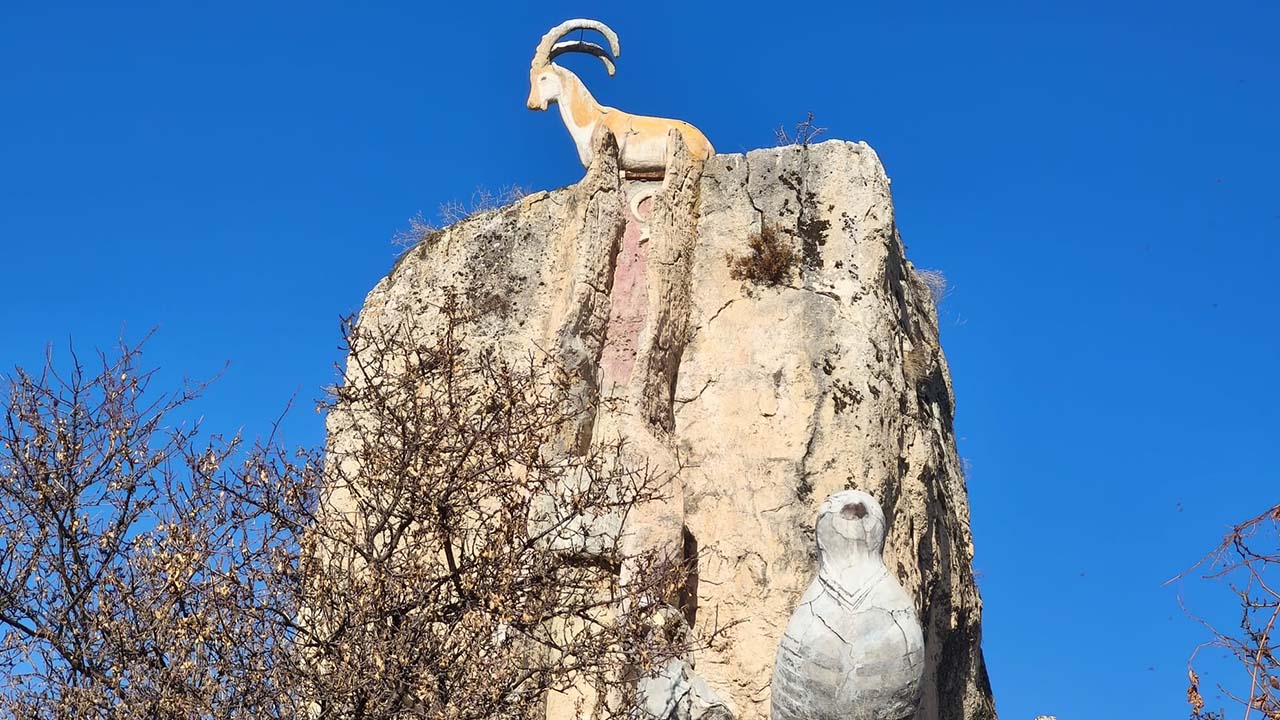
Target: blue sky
{"points": [[1098, 183]]}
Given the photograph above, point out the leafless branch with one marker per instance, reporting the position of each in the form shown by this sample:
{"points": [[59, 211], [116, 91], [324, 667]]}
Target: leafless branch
{"points": [[806, 132], [440, 558], [1247, 561]]}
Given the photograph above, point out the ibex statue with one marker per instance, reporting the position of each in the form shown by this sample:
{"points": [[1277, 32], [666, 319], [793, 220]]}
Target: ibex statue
{"points": [[642, 141]]}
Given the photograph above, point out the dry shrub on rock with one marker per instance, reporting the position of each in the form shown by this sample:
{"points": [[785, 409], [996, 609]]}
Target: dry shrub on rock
{"points": [[769, 261]]}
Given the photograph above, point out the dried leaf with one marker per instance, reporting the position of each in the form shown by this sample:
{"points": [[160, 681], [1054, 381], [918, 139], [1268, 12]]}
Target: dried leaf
{"points": [[1193, 692]]}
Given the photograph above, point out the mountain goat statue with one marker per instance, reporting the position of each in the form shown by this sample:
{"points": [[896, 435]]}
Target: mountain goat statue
{"points": [[642, 141]]}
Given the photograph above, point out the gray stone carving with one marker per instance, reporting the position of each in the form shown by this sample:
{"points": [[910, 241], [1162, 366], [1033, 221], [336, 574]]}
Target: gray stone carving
{"points": [[676, 692], [853, 649]]}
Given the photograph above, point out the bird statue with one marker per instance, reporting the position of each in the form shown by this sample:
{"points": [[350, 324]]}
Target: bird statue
{"points": [[853, 649]]}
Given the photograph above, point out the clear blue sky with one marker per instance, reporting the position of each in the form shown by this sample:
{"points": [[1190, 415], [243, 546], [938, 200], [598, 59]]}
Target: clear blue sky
{"points": [[1098, 182]]}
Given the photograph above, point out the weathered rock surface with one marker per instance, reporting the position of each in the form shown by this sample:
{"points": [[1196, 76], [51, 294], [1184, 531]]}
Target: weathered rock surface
{"points": [[853, 649], [677, 692], [772, 397]]}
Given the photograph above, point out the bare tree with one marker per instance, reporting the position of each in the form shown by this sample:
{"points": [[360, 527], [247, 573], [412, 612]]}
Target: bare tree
{"points": [[127, 586], [442, 561], [490, 560], [1247, 561]]}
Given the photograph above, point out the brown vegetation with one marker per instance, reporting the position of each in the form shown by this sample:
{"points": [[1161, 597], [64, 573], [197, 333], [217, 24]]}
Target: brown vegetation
{"points": [[435, 565], [770, 261]]}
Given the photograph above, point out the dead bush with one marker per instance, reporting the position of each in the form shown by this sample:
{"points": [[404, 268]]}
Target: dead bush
{"points": [[420, 230], [806, 132], [934, 281], [482, 200], [455, 211], [770, 260]]}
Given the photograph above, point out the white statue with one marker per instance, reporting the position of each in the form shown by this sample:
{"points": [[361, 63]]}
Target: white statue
{"points": [[853, 649], [642, 141]]}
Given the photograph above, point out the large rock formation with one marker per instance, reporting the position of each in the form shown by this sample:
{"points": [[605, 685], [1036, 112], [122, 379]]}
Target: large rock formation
{"points": [[771, 396]]}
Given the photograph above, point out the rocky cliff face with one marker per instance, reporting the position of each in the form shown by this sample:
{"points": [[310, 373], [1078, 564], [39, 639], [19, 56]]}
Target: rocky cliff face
{"points": [[769, 397]]}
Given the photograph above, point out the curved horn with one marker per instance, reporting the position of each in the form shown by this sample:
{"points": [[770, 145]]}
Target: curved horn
{"points": [[543, 55], [583, 46]]}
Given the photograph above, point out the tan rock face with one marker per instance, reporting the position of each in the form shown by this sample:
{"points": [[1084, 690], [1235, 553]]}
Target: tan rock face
{"points": [[772, 397]]}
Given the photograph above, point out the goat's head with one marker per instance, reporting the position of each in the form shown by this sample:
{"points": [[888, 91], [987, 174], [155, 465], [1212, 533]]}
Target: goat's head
{"points": [[545, 81]]}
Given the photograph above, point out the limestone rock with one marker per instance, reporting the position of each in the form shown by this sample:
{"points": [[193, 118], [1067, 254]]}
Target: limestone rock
{"points": [[772, 397], [853, 649]]}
